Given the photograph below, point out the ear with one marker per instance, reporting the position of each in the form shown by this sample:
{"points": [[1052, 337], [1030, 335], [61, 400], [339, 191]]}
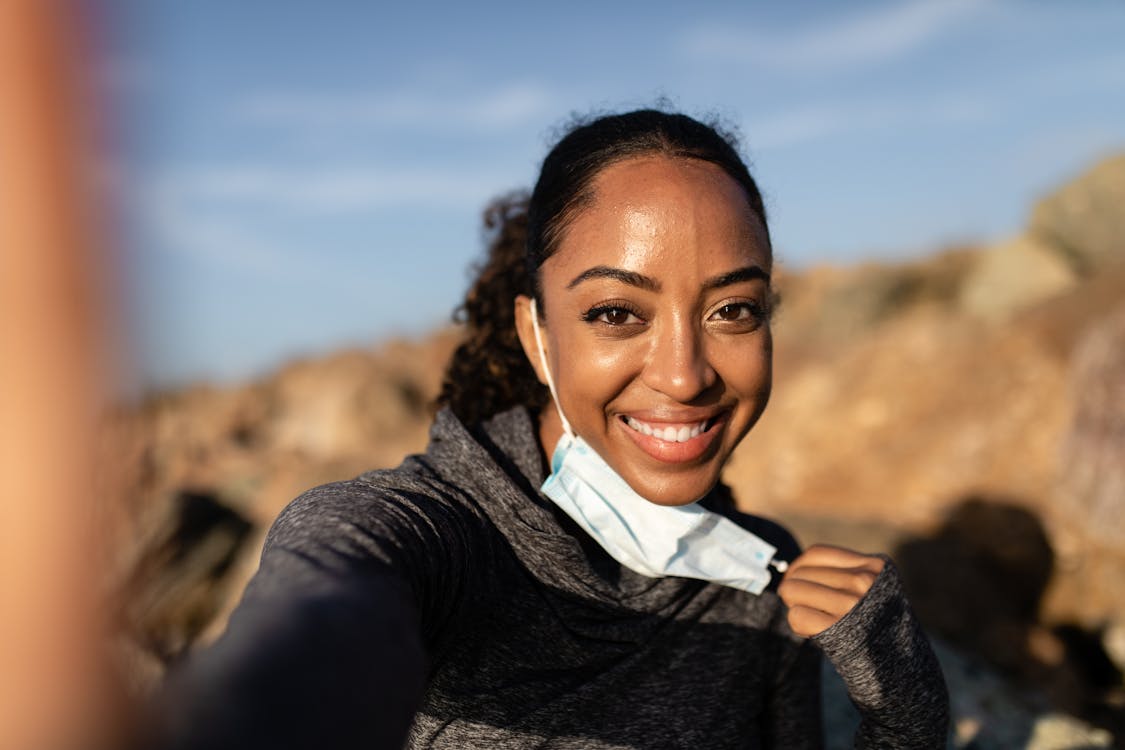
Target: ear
{"points": [[526, 332]]}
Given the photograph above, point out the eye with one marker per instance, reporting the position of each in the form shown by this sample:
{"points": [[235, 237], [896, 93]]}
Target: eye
{"points": [[616, 316], [737, 316], [737, 311], [612, 315]]}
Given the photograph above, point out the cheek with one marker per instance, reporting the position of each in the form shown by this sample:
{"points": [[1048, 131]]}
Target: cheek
{"points": [[767, 360], [592, 373], [747, 368]]}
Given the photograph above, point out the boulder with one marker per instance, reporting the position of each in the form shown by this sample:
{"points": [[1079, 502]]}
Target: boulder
{"points": [[1013, 276], [1092, 481], [1085, 219]]}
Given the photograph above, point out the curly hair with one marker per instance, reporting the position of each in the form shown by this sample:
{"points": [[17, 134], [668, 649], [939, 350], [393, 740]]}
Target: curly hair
{"points": [[489, 372]]}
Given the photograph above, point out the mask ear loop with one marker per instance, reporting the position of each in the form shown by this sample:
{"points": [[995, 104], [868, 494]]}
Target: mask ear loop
{"points": [[546, 369]]}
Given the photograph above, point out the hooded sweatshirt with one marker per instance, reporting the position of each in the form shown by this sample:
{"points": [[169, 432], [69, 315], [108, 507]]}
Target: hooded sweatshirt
{"points": [[447, 603]]}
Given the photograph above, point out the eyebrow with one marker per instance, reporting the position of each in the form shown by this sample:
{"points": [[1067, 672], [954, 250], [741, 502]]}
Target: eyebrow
{"points": [[746, 273], [632, 278]]}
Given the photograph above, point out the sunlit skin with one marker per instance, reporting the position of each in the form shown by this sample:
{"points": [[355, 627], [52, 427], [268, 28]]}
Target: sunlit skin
{"points": [[655, 325], [656, 310]]}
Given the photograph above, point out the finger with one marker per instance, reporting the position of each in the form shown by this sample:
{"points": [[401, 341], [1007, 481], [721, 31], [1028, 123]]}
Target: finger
{"points": [[824, 555], [809, 621], [796, 592], [858, 581]]}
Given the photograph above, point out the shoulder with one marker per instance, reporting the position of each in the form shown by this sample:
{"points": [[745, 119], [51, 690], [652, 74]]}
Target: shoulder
{"points": [[384, 515]]}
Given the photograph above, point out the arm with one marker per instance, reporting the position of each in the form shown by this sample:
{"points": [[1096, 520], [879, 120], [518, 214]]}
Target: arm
{"points": [[326, 648], [856, 612], [342, 667]]}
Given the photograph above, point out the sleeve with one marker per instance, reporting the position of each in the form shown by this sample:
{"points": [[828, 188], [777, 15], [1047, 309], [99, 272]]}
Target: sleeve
{"points": [[326, 648], [889, 669]]}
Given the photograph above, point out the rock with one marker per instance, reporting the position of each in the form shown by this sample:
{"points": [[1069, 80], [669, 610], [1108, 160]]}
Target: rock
{"points": [[1085, 219], [332, 406], [1059, 732], [1092, 483], [1087, 508], [1014, 275], [927, 409], [198, 474], [175, 586], [1113, 641], [830, 305]]}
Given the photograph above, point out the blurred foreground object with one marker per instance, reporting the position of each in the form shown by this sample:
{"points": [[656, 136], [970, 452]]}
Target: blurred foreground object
{"points": [[51, 375]]}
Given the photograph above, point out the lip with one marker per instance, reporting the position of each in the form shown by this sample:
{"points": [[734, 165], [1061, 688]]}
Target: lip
{"points": [[673, 452]]}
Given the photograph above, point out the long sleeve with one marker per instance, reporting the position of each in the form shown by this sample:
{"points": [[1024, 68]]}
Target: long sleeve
{"points": [[889, 669], [327, 647]]}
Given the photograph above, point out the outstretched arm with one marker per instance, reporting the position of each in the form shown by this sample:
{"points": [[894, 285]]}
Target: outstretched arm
{"points": [[341, 667], [327, 647]]}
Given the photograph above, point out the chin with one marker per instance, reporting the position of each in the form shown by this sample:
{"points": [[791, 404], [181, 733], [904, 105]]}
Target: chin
{"points": [[669, 483], [676, 490]]}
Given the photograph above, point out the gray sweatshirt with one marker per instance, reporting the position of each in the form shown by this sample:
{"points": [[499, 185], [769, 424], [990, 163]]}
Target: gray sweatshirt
{"points": [[448, 604]]}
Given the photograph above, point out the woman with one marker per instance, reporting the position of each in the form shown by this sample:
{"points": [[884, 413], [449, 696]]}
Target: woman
{"points": [[562, 567]]}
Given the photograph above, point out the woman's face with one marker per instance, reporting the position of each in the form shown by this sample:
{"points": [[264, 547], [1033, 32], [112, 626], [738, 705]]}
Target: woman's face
{"points": [[656, 324]]}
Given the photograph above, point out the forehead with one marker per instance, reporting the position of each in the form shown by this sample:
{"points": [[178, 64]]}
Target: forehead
{"points": [[665, 217]]}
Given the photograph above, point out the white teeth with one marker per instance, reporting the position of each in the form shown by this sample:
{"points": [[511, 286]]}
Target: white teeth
{"points": [[668, 434]]}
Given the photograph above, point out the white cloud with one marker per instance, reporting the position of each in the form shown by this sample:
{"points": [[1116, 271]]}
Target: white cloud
{"points": [[195, 211], [885, 33], [509, 106], [1103, 73], [334, 189], [814, 122], [192, 233]]}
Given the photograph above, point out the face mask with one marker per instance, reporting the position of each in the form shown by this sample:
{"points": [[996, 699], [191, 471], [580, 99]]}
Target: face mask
{"points": [[687, 541]]}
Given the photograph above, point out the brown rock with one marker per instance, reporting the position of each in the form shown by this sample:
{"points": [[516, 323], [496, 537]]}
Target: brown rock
{"points": [[1085, 219], [1092, 482], [1013, 276]]}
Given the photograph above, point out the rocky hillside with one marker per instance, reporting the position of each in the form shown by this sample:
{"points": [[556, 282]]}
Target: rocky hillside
{"points": [[964, 412]]}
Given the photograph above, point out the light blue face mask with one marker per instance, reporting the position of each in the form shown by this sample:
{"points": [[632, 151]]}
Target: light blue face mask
{"points": [[687, 541]]}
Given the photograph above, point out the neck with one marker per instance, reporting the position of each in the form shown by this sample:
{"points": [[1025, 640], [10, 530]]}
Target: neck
{"points": [[550, 430]]}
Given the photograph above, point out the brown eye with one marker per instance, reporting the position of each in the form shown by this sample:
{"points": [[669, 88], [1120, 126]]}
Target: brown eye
{"points": [[732, 312], [616, 316]]}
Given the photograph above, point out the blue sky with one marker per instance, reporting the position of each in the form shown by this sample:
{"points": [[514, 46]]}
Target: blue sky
{"points": [[299, 176]]}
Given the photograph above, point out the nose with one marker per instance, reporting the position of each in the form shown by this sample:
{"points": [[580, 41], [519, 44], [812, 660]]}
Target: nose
{"points": [[677, 364]]}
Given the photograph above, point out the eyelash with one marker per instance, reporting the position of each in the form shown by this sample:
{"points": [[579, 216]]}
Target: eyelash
{"points": [[594, 313], [758, 312]]}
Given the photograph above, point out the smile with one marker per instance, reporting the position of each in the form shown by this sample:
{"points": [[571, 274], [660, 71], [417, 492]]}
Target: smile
{"points": [[675, 442], [670, 433]]}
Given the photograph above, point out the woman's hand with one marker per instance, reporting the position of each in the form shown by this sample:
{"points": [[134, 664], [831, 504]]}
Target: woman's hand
{"points": [[823, 584]]}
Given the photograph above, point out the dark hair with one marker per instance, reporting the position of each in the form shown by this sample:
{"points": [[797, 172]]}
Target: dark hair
{"points": [[489, 372]]}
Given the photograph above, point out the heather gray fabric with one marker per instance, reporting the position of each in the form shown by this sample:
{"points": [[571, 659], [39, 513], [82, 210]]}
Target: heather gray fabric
{"points": [[448, 604]]}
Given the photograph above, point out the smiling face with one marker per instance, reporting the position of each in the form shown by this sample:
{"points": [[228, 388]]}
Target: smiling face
{"points": [[655, 324]]}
